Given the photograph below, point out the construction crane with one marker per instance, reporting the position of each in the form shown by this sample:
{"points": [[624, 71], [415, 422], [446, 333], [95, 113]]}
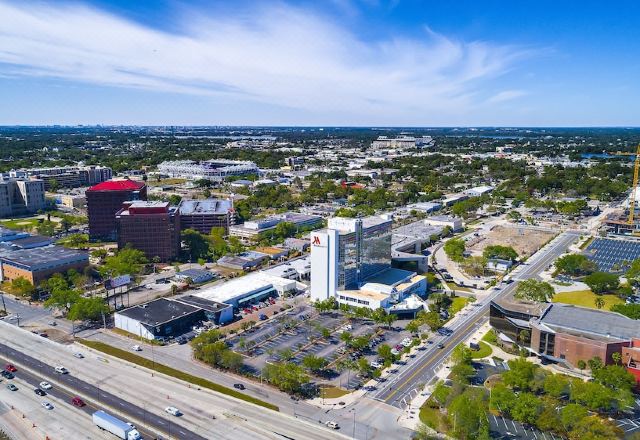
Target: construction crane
{"points": [[632, 196]]}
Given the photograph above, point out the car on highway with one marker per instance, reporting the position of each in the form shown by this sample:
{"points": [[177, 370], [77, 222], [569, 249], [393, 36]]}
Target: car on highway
{"points": [[238, 386], [172, 410], [440, 345], [39, 392], [7, 374], [136, 348], [10, 368], [332, 425], [61, 370], [76, 401], [53, 323], [45, 385], [47, 405], [78, 355], [12, 387]]}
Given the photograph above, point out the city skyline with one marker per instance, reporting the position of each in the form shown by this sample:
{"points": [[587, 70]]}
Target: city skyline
{"points": [[340, 63]]}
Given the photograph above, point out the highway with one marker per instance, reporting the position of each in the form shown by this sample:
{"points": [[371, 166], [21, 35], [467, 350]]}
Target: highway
{"points": [[400, 390], [137, 395], [92, 394]]}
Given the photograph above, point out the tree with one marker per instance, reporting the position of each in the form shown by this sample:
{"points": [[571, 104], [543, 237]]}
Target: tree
{"points": [[314, 363], [616, 357], [526, 408], [599, 302], [571, 414], [556, 385], [520, 374], [501, 252], [593, 395], [468, 415], [534, 290], [87, 309], [594, 363], [475, 266], [413, 326], [288, 377], [575, 265], [174, 199], [502, 398], [615, 377], [432, 319], [454, 249], [594, 428], [22, 287], [461, 354], [99, 254], [62, 299], [196, 244], [235, 245], [581, 365], [602, 282], [127, 261], [630, 310], [219, 246]]}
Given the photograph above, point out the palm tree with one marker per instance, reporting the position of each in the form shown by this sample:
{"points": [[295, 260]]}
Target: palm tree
{"points": [[617, 357], [599, 302]]}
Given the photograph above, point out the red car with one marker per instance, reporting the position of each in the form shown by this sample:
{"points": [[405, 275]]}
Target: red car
{"points": [[10, 368], [76, 401]]}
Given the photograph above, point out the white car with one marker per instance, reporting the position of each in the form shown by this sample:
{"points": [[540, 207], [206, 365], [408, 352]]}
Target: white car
{"points": [[136, 348], [47, 405], [61, 370], [45, 385], [78, 355], [172, 410], [332, 425], [376, 364]]}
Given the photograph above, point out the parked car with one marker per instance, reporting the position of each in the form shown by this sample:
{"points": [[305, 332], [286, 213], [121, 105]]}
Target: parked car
{"points": [[263, 317]]}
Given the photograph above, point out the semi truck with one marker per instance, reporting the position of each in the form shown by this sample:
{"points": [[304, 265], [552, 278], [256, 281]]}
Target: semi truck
{"points": [[115, 426]]}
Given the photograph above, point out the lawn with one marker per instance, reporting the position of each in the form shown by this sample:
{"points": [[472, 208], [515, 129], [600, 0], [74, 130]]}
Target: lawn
{"points": [[433, 418], [163, 182], [586, 298], [331, 392], [458, 304], [23, 224], [160, 368], [485, 350]]}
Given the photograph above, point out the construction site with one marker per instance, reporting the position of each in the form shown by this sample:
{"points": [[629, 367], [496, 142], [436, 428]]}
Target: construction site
{"points": [[626, 221]]}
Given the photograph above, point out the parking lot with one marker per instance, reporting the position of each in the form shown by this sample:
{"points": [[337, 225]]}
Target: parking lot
{"points": [[631, 424], [502, 428], [301, 332]]}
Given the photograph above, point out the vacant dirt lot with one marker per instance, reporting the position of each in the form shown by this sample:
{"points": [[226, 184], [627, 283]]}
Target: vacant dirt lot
{"points": [[525, 241]]}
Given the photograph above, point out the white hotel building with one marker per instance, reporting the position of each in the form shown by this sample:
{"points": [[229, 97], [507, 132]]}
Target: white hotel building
{"points": [[351, 261]]}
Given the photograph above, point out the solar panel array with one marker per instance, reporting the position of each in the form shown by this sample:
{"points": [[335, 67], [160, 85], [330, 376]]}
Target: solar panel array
{"points": [[607, 253]]}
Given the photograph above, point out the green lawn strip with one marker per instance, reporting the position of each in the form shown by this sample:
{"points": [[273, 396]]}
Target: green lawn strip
{"points": [[586, 298], [331, 392], [433, 418], [458, 303], [160, 368], [485, 350]]}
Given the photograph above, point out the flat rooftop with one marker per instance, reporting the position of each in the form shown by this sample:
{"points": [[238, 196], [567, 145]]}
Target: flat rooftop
{"points": [[49, 256], [597, 323], [203, 303], [366, 294], [208, 206], [390, 276], [158, 311]]}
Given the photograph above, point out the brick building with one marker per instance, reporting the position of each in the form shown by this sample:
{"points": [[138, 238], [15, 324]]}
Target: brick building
{"points": [[36, 265], [152, 227], [105, 199]]}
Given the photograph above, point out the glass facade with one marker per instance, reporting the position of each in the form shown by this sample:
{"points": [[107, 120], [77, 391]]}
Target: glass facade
{"points": [[502, 320]]}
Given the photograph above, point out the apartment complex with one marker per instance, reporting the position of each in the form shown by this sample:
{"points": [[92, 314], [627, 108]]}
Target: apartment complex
{"points": [[105, 199], [253, 228], [215, 170], [203, 215], [20, 197], [152, 227], [65, 177]]}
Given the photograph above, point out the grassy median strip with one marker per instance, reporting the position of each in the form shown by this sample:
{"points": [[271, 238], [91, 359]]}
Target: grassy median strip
{"points": [[195, 380]]}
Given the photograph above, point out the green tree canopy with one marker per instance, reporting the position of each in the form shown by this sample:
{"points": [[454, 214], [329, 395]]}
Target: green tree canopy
{"points": [[501, 252], [534, 290], [455, 248], [575, 265], [602, 282]]}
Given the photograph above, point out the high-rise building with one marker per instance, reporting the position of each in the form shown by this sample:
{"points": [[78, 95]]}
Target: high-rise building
{"points": [[152, 227], [204, 215], [19, 197], [105, 199]]}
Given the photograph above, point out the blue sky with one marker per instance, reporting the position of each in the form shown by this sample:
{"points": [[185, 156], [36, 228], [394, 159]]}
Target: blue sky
{"points": [[334, 62]]}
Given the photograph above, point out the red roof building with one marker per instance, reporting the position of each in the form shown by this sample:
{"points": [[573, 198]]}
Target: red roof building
{"points": [[105, 199]]}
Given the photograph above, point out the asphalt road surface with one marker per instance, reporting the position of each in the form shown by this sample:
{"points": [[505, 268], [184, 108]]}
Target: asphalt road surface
{"points": [[153, 421], [400, 390]]}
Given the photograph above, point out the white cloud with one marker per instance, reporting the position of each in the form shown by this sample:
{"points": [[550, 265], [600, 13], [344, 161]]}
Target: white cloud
{"points": [[506, 95], [280, 55]]}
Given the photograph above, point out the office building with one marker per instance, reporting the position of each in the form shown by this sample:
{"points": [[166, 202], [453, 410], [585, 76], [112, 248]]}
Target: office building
{"points": [[204, 215], [152, 227], [215, 170], [65, 177], [351, 261], [105, 199], [36, 265], [253, 228], [21, 197]]}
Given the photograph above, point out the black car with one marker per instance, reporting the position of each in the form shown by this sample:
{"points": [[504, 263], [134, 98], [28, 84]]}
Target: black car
{"points": [[181, 340], [7, 374], [39, 392], [239, 386]]}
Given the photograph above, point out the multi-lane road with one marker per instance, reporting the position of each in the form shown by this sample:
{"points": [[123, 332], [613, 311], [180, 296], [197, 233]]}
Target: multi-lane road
{"points": [[400, 390]]}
